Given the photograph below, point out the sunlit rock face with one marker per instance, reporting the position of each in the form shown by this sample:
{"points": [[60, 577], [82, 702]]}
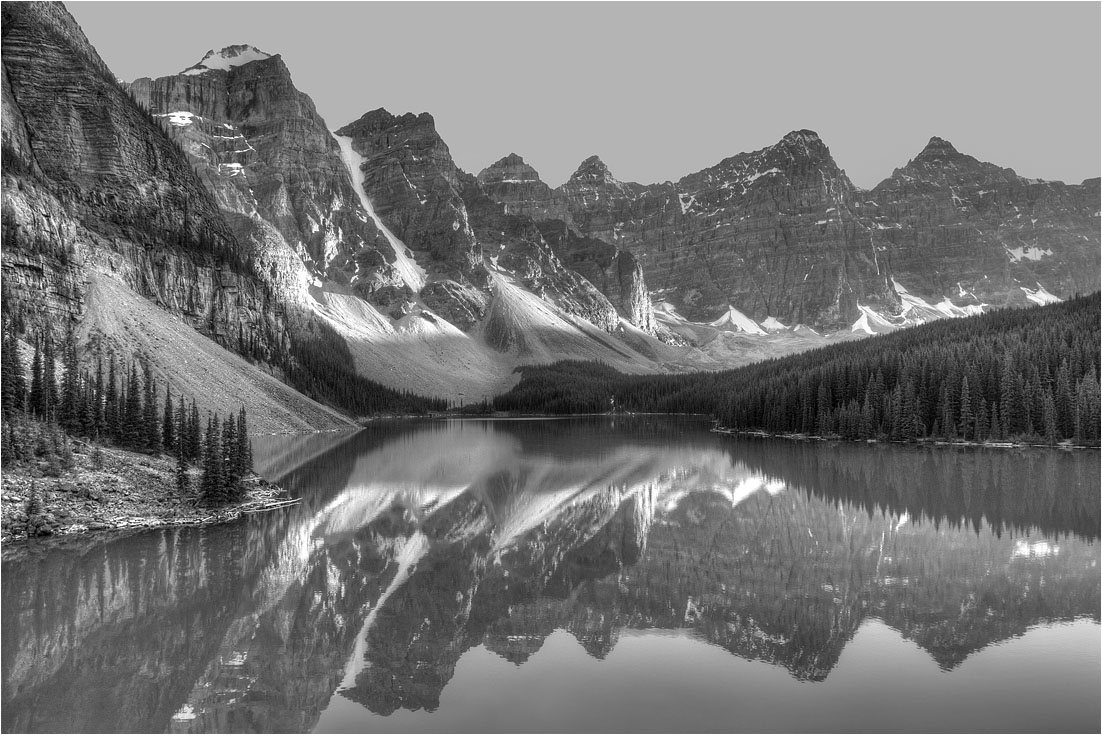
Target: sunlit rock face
{"points": [[617, 273], [782, 234], [90, 182], [414, 184], [464, 237], [274, 168]]}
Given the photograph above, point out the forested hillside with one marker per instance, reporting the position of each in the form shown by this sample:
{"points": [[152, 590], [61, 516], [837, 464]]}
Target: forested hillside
{"points": [[1020, 374]]}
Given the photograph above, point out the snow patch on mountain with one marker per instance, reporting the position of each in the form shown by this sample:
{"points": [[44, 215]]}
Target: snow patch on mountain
{"points": [[1026, 252], [917, 310], [1040, 296], [870, 322], [737, 321], [413, 274], [180, 119], [226, 59]]}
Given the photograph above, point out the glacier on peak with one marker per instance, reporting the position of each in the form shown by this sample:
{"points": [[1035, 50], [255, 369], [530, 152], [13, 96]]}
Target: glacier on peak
{"points": [[227, 58]]}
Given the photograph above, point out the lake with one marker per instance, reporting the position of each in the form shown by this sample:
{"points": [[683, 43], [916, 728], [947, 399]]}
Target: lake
{"points": [[628, 574]]}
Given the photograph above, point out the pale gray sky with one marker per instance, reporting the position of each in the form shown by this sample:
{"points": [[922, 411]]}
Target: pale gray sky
{"points": [[659, 90]]}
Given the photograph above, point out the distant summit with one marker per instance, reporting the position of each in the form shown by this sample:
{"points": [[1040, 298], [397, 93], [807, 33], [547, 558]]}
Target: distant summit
{"points": [[592, 169], [509, 170], [939, 149], [227, 58]]}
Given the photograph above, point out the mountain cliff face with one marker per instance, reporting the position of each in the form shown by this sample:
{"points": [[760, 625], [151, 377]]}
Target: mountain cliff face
{"points": [[87, 177], [954, 225], [376, 231], [274, 168], [783, 236], [101, 209], [441, 211], [219, 197], [617, 273]]}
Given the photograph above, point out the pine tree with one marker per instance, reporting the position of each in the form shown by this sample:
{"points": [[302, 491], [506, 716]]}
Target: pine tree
{"points": [[99, 425], [183, 481], [168, 424], [231, 474], [133, 437], [1064, 400], [38, 395], [87, 408], [68, 412], [1087, 402], [1048, 417], [151, 421], [183, 434], [49, 376], [212, 484], [111, 418], [244, 446], [967, 419], [13, 381], [195, 440], [7, 446]]}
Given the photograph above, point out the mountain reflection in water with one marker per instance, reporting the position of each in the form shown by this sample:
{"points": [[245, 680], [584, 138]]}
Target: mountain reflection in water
{"points": [[418, 543]]}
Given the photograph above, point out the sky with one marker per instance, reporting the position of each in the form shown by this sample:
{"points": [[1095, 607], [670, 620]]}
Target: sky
{"points": [[660, 90]]}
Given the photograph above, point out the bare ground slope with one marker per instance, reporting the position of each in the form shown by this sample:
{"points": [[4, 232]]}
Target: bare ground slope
{"points": [[195, 365]]}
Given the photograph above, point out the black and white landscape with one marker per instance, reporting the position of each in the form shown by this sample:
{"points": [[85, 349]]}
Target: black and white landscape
{"points": [[307, 427]]}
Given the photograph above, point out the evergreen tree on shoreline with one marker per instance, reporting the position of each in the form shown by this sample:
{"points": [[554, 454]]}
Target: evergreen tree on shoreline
{"points": [[982, 378], [168, 423]]}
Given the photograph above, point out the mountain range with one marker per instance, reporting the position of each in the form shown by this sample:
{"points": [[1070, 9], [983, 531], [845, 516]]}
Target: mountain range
{"points": [[211, 220]]}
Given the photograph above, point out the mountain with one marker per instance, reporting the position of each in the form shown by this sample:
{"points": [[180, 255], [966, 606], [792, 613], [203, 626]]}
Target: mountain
{"points": [[276, 171], [216, 204], [955, 226], [373, 229], [783, 236], [617, 273], [107, 227]]}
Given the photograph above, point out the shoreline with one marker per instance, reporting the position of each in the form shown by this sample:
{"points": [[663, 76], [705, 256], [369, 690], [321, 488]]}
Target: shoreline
{"points": [[120, 490], [758, 434]]}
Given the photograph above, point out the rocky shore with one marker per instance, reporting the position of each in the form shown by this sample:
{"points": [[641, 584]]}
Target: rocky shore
{"points": [[113, 489]]}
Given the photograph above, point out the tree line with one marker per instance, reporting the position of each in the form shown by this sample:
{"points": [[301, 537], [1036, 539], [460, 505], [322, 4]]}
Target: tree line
{"points": [[118, 404], [320, 365], [1011, 375]]}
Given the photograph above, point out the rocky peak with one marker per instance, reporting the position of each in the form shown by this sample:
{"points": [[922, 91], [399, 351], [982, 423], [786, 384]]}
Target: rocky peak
{"points": [[939, 149], [593, 172], [940, 164], [803, 145], [509, 170], [511, 160], [802, 137], [381, 120], [227, 58]]}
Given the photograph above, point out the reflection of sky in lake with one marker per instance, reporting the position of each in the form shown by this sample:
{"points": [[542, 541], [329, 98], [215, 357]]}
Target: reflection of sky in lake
{"points": [[657, 681]]}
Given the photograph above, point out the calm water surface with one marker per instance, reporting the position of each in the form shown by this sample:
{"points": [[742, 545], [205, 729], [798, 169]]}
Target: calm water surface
{"points": [[623, 575]]}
